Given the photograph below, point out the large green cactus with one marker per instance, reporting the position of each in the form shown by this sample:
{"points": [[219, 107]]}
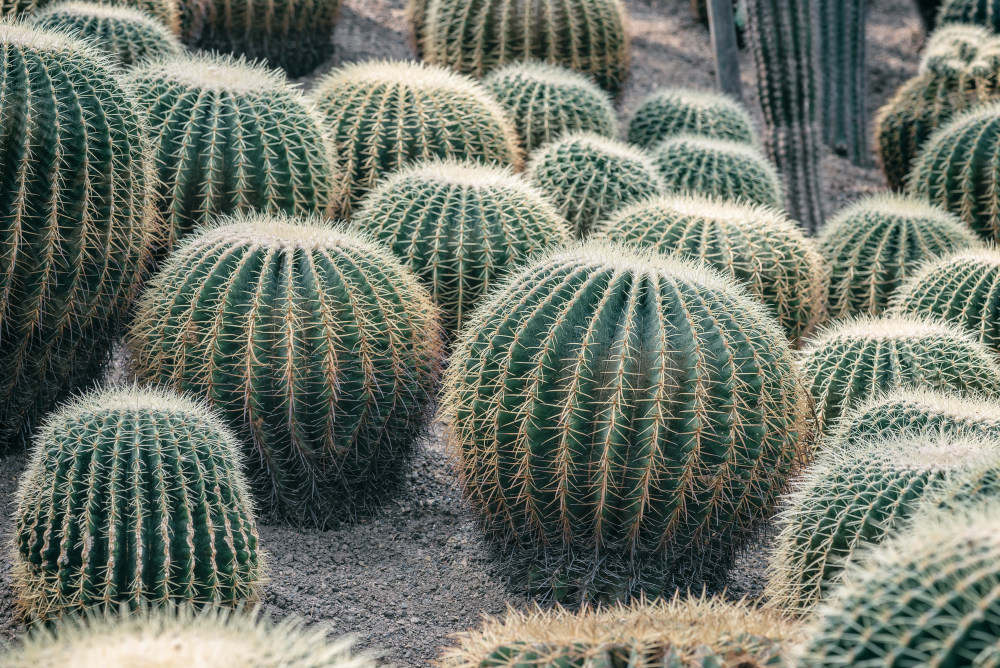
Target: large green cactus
{"points": [[317, 345], [133, 495], [231, 136], [675, 111], [758, 246], [621, 419], [980, 12], [385, 115], [167, 11], [75, 221], [841, 40]]}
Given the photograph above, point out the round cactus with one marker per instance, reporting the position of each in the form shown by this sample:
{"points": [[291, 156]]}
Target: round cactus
{"points": [[77, 222], [677, 111], [385, 115], [860, 358], [589, 36], [873, 244], [979, 12], [317, 345], [718, 168], [546, 102], [166, 11], [133, 495], [589, 177], [620, 418], [755, 245], [677, 632], [126, 34], [231, 136], [953, 46], [459, 226]]}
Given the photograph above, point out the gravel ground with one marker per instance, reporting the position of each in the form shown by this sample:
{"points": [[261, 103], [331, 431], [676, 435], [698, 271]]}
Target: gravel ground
{"points": [[405, 580]]}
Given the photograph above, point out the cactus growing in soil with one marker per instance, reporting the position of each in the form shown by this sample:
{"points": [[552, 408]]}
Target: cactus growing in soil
{"points": [[459, 227], [386, 115], [231, 136], [859, 358], [316, 344], [476, 37], [842, 39], [718, 168], [546, 102], [978, 12], [756, 245], [620, 419], [166, 11], [76, 219], [133, 495], [872, 245], [589, 177], [674, 111]]}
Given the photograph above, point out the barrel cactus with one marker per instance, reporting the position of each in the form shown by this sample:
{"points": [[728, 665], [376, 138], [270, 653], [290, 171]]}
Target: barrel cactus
{"points": [[863, 357], [460, 226], [589, 177], [133, 495], [166, 11], [872, 245], [718, 168], [76, 219], [475, 37], [953, 46], [232, 136], [385, 115], [621, 420], [316, 344], [979, 12], [675, 111], [546, 102], [756, 245]]}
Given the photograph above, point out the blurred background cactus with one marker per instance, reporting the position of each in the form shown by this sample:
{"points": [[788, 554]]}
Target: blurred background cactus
{"points": [[675, 111], [166, 11], [980, 12], [842, 47]]}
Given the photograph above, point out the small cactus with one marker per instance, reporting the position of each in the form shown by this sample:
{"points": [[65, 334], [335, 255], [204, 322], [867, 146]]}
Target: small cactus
{"points": [[756, 245], [546, 102], [978, 12], [133, 495], [718, 168], [589, 177], [676, 111], [386, 115], [872, 245]]}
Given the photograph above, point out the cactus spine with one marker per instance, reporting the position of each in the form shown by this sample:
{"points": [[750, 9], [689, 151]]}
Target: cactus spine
{"points": [[676, 111], [845, 77]]}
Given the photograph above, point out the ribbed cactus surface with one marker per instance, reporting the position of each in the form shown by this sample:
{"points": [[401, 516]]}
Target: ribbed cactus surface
{"points": [[546, 102], [842, 40], [874, 244], [589, 177], [953, 46], [167, 11], [133, 495], [979, 12], [385, 115], [316, 344], [620, 418], [755, 245], [675, 111]]}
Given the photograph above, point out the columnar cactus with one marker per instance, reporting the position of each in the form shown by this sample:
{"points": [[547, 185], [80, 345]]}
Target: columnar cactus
{"points": [[316, 344], [231, 136], [385, 115], [856, 359], [475, 37], [416, 16], [460, 226], [872, 245], [980, 12], [76, 221], [577, 407], [756, 245], [718, 168], [675, 111], [167, 11], [133, 495], [589, 177], [546, 102], [841, 41]]}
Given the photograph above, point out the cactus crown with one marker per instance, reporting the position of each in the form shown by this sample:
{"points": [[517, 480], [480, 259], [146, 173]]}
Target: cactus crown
{"points": [[676, 111], [951, 47]]}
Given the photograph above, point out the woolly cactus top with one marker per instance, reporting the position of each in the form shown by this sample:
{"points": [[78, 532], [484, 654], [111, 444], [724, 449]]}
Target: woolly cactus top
{"points": [[886, 329], [597, 143], [407, 74], [894, 206], [279, 231], [57, 41], [214, 72], [461, 173], [690, 110], [547, 73], [961, 408]]}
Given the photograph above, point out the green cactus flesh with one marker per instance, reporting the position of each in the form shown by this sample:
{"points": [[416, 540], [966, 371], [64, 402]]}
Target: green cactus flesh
{"points": [[977, 12], [676, 111], [842, 42], [166, 11]]}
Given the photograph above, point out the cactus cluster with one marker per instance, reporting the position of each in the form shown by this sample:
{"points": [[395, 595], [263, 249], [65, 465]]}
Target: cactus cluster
{"points": [[842, 41], [978, 12], [621, 419], [756, 245], [676, 111]]}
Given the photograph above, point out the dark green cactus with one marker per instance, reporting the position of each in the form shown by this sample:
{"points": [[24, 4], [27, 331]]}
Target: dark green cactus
{"points": [[621, 419], [928, 12], [167, 11], [758, 246], [675, 111], [133, 495], [316, 344], [844, 77], [546, 102], [385, 115], [952, 47], [979, 12]]}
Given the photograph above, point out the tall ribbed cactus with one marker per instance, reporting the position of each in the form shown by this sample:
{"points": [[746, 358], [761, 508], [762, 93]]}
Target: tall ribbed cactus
{"points": [[75, 220], [133, 495], [317, 345], [167, 11], [980, 12], [758, 246], [782, 35], [416, 16], [675, 111], [844, 77], [621, 418], [928, 12]]}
